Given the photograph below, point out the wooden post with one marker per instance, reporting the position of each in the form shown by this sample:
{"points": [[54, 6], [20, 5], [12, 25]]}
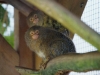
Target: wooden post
{"points": [[26, 57]]}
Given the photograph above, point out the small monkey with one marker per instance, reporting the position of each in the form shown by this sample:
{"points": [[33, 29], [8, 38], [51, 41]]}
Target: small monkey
{"points": [[48, 43], [41, 19], [35, 18]]}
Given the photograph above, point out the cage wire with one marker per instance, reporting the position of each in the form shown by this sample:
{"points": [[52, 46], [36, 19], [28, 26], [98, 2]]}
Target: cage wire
{"points": [[90, 16]]}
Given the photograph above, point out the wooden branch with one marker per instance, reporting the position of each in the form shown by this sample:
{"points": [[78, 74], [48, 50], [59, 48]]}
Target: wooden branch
{"points": [[23, 8], [8, 58], [68, 20], [71, 62], [77, 62]]}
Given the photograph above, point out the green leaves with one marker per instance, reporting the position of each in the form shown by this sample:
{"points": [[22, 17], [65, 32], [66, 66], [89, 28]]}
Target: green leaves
{"points": [[4, 20], [4, 23]]}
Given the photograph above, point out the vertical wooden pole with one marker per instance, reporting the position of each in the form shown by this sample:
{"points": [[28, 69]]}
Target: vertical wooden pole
{"points": [[26, 57]]}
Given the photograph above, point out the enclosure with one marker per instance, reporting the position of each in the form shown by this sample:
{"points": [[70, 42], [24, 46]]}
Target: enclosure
{"points": [[13, 25]]}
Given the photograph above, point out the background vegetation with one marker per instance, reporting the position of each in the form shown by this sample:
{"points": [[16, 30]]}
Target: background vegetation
{"points": [[4, 24]]}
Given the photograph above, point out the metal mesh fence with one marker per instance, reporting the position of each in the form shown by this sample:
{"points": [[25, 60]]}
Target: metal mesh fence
{"points": [[91, 16]]}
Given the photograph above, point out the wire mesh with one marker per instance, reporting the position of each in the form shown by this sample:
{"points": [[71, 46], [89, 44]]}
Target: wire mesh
{"points": [[91, 16]]}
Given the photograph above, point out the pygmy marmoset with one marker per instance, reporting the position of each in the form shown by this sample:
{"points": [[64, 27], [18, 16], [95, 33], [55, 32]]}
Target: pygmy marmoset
{"points": [[41, 19], [48, 43]]}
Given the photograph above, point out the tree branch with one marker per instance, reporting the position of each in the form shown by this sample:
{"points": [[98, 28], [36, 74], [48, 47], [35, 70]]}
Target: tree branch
{"points": [[71, 62]]}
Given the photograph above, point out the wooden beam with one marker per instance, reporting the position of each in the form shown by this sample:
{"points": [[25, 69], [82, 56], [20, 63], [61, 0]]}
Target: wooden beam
{"points": [[74, 6], [23, 8], [28, 4], [26, 57], [2, 1], [10, 53], [8, 58], [6, 66]]}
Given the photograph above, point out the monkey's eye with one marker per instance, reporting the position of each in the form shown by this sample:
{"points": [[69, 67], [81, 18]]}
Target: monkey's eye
{"points": [[31, 19], [31, 33], [37, 32], [35, 16]]}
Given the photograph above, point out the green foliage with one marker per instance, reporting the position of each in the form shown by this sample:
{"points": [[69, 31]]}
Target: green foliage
{"points": [[10, 39], [4, 23]]}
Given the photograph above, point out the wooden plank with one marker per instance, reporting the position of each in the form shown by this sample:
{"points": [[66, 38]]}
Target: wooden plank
{"points": [[2, 1], [33, 59], [20, 6], [9, 52], [74, 6], [6, 67], [38, 62], [8, 58], [28, 4], [26, 57]]}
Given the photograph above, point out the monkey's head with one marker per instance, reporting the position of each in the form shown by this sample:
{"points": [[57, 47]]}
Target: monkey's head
{"points": [[32, 33], [35, 18], [31, 37]]}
